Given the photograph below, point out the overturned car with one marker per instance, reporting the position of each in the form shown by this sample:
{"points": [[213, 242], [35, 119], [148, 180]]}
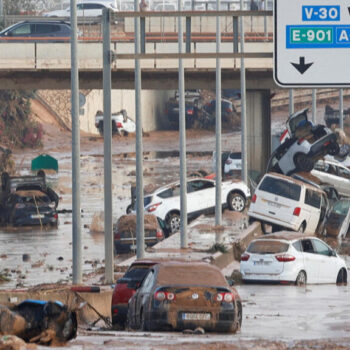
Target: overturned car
{"points": [[302, 144], [27, 200]]}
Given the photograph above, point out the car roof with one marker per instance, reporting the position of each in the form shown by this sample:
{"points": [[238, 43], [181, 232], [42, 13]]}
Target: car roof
{"points": [[332, 162], [284, 236], [299, 182]]}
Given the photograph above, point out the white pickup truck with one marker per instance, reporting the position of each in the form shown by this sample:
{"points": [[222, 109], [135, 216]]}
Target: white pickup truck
{"points": [[121, 123]]}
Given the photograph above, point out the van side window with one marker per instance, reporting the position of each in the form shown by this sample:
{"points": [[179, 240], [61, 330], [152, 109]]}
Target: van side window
{"points": [[281, 188], [312, 198], [307, 246]]}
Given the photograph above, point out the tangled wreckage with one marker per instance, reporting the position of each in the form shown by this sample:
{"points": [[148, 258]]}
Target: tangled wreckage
{"points": [[42, 322]]}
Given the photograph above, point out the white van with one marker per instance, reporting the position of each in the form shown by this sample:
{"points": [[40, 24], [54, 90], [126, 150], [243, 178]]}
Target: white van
{"points": [[281, 201]]}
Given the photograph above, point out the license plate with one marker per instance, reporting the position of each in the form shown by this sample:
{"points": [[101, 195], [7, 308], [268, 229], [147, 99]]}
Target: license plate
{"points": [[273, 204], [196, 316], [37, 216], [262, 262]]}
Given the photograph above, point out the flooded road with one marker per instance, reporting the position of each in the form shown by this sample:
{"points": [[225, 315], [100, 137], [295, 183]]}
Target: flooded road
{"points": [[49, 250], [274, 317]]}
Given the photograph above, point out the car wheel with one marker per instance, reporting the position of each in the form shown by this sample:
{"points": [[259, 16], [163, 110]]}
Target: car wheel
{"points": [[129, 209], [236, 201], [333, 149], [236, 326], [173, 222], [143, 322], [301, 279], [342, 277], [303, 162]]}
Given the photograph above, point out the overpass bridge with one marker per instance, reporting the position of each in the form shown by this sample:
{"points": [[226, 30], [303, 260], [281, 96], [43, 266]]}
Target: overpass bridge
{"points": [[29, 65]]}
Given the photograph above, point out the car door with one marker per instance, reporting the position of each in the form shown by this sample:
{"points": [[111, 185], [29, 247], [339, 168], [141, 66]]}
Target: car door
{"points": [[200, 195], [143, 295], [344, 180], [328, 267], [311, 261]]}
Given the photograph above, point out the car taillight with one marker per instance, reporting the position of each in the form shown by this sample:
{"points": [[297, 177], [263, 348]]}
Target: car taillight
{"points": [[161, 296], [153, 207], [254, 198], [285, 257], [245, 257], [190, 111], [159, 234], [297, 211], [117, 236], [300, 141], [226, 297], [119, 125], [55, 216], [228, 161], [327, 143], [19, 206]]}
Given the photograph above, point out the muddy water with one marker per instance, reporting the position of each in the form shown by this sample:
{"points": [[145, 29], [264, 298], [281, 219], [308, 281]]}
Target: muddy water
{"points": [[50, 250]]}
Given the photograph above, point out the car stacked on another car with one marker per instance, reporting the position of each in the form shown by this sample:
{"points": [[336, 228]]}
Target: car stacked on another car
{"points": [[286, 257], [282, 201], [185, 295], [121, 123], [302, 144], [165, 201]]}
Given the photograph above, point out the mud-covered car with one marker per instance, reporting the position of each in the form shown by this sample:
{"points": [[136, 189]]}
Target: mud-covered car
{"points": [[125, 232], [29, 207], [178, 296], [37, 321], [302, 144], [121, 123], [125, 288]]}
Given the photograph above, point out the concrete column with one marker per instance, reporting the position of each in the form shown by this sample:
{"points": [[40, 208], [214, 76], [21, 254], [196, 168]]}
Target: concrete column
{"points": [[258, 129]]}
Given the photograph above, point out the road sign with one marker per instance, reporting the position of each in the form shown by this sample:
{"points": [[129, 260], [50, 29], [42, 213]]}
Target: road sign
{"points": [[312, 43]]}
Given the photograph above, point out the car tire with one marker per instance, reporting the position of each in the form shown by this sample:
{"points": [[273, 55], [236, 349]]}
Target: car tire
{"points": [[342, 277], [236, 201], [333, 149], [301, 279], [129, 209], [173, 222], [303, 162]]}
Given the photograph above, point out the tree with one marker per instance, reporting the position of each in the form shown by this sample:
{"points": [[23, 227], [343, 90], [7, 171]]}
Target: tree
{"points": [[16, 127], [16, 7]]}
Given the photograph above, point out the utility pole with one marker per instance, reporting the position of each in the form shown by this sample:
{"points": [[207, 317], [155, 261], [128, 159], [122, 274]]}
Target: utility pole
{"points": [[77, 256]]}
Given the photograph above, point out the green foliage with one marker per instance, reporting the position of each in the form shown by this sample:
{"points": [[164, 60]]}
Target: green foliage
{"points": [[218, 247], [16, 128]]}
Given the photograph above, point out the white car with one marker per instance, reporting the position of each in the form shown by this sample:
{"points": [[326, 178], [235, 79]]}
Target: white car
{"points": [[121, 123], [282, 201], [165, 202], [333, 173], [292, 258], [85, 9]]}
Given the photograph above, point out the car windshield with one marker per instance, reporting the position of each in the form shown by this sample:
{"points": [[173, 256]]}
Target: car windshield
{"points": [[297, 122], [267, 247], [199, 275], [341, 207], [281, 188]]}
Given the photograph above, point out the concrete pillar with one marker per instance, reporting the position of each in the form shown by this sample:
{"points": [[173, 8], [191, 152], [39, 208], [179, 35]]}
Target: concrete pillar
{"points": [[258, 129]]}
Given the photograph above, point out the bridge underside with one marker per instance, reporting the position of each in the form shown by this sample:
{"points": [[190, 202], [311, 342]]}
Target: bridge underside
{"points": [[157, 79]]}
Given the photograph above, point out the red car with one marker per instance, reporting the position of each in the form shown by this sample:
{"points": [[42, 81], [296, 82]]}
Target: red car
{"points": [[125, 288]]}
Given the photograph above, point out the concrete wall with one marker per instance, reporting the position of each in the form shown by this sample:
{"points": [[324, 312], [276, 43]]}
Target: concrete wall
{"points": [[152, 107], [259, 129]]}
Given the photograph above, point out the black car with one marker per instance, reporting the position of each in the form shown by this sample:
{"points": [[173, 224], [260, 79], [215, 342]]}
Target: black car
{"points": [[37, 31], [185, 295], [29, 207], [227, 108]]}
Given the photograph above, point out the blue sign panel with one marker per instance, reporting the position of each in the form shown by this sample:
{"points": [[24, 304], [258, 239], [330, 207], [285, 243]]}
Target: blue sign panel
{"points": [[321, 13]]}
